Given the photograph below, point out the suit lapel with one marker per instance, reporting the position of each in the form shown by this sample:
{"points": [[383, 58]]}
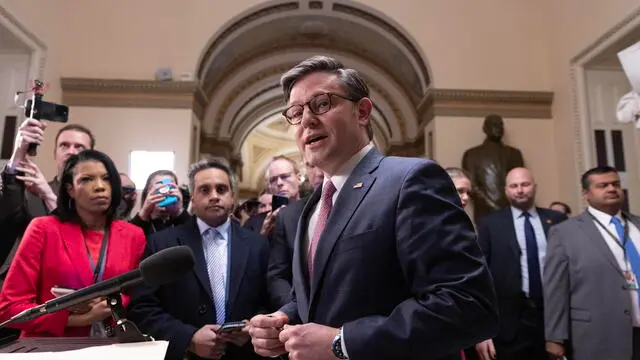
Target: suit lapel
{"points": [[238, 261], [189, 235], [71, 234], [510, 231], [300, 275], [593, 234], [545, 220], [354, 190]]}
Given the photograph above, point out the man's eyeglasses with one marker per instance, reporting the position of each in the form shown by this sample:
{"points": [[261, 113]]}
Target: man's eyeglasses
{"points": [[128, 189], [318, 105], [283, 177]]}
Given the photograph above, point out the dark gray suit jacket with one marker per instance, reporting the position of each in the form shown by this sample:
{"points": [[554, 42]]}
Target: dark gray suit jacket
{"points": [[17, 208], [585, 298]]}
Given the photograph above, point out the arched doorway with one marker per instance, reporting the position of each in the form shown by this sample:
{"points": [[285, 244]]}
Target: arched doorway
{"points": [[240, 69]]}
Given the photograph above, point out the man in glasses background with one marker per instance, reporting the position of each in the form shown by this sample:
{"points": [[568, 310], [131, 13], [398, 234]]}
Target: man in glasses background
{"points": [[282, 178]]}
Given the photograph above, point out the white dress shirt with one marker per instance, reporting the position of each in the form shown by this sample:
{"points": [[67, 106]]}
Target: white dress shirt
{"points": [[618, 253], [541, 240], [212, 246], [338, 180]]}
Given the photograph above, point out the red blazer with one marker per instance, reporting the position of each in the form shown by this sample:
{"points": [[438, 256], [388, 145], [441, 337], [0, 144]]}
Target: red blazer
{"points": [[54, 253]]}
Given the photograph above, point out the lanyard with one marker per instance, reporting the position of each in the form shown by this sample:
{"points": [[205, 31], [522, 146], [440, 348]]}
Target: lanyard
{"points": [[621, 242], [98, 269]]}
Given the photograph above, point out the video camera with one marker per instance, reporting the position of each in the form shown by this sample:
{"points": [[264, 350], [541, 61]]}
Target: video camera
{"points": [[36, 108]]}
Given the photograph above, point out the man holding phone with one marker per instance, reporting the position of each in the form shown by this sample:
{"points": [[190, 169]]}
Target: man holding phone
{"points": [[202, 314], [282, 180]]}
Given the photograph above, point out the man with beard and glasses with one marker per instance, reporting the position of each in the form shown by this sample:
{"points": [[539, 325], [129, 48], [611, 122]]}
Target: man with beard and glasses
{"points": [[590, 276], [514, 243]]}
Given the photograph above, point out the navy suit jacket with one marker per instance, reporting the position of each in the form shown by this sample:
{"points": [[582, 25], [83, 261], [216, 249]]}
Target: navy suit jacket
{"points": [[398, 265], [497, 238], [254, 223], [174, 312], [280, 272]]}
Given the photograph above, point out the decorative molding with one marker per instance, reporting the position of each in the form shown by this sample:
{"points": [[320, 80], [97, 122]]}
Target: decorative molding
{"points": [[130, 93], [188, 95], [510, 104], [244, 19]]}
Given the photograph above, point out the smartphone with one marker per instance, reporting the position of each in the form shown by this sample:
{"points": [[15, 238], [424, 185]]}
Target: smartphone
{"points": [[277, 201], [230, 327], [169, 199], [58, 291], [48, 111]]}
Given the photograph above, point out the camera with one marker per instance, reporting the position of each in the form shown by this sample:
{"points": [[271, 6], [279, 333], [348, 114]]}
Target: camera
{"points": [[47, 111]]}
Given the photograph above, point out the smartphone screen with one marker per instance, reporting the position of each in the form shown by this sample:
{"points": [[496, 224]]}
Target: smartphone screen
{"points": [[277, 201]]}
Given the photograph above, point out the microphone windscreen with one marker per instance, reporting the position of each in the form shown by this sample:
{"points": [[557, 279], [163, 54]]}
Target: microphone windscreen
{"points": [[167, 265]]}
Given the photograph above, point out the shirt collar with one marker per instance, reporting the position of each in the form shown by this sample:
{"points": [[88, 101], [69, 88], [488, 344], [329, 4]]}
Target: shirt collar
{"points": [[341, 177], [518, 213], [222, 229], [601, 216]]}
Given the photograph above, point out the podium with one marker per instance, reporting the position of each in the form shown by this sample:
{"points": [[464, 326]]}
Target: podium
{"points": [[28, 345]]}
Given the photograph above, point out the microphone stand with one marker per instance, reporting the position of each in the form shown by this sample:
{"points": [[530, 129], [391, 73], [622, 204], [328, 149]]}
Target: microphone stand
{"points": [[125, 330]]}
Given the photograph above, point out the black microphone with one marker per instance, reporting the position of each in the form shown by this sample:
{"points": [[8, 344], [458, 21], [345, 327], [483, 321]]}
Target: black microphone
{"points": [[161, 268]]}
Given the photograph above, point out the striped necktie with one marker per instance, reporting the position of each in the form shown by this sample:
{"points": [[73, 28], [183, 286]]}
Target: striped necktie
{"points": [[216, 257]]}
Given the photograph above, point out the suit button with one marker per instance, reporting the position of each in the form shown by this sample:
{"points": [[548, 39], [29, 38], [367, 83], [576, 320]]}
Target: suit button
{"points": [[627, 312], [202, 309]]}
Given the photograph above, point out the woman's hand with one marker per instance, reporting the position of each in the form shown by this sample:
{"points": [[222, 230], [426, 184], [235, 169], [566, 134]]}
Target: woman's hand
{"points": [[99, 311], [151, 202]]}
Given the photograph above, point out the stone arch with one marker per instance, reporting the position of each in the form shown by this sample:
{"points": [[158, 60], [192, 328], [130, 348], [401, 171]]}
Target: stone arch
{"points": [[240, 68]]}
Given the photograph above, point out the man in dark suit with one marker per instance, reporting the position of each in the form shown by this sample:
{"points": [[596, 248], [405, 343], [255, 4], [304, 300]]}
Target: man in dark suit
{"points": [[228, 282], [386, 263], [514, 243], [282, 242]]}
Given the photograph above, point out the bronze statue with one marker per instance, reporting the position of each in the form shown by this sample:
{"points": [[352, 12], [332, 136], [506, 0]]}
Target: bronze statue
{"points": [[488, 165]]}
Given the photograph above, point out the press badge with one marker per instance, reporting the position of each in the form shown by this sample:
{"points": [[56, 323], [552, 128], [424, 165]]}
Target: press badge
{"points": [[630, 279]]}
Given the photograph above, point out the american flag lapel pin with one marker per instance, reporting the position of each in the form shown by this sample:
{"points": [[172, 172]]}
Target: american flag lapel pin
{"points": [[357, 185]]}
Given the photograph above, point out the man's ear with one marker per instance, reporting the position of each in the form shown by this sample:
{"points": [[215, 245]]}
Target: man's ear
{"points": [[365, 107]]}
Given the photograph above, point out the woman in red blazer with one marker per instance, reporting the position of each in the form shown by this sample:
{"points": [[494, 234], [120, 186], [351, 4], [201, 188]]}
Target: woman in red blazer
{"points": [[77, 246]]}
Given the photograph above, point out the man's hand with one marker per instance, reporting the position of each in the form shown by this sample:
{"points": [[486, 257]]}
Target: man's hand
{"points": [[269, 222], [486, 350], [36, 183], [555, 350], [238, 338], [206, 343], [309, 341], [30, 131], [265, 331]]}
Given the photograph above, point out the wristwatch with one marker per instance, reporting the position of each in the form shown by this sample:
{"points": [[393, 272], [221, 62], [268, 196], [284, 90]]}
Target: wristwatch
{"points": [[336, 347]]}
